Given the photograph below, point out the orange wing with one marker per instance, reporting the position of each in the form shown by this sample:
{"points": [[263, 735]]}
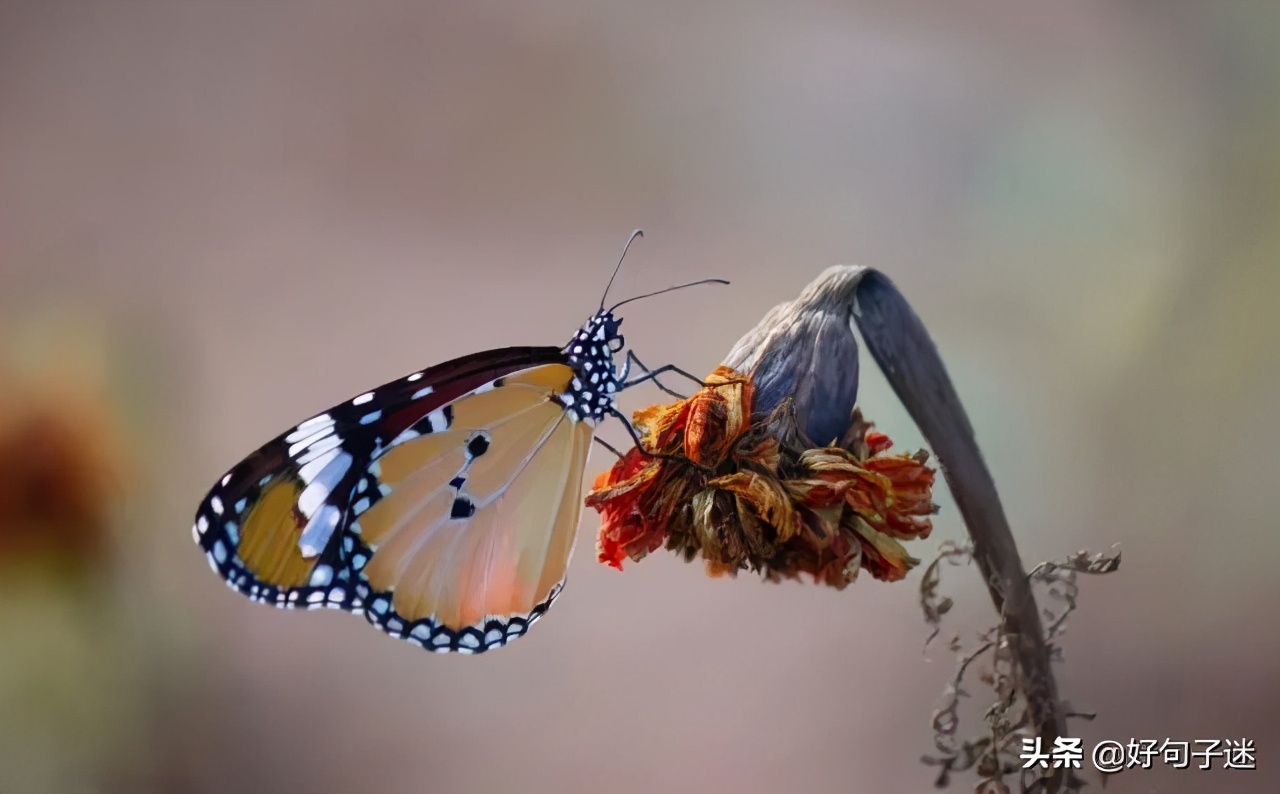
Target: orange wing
{"points": [[452, 529], [442, 505], [472, 536]]}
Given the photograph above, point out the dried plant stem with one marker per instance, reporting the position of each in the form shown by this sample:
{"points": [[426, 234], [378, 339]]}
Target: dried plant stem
{"points": [[806, 347], [901, 346]]}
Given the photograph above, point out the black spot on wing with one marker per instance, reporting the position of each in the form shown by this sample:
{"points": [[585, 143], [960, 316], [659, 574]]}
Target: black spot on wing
{"points": [[463, 507], [478, 445]]}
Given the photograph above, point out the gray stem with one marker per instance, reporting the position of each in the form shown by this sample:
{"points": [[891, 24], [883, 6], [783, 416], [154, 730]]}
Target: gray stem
{"points": [[805, 350], [901, 346]]}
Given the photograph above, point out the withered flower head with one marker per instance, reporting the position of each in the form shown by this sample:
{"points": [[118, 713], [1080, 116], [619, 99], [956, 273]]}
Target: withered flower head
{"points": [[757, 492]]}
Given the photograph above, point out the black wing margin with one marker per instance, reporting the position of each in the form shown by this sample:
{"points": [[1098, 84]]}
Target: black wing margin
{"points": [[275, 527]]}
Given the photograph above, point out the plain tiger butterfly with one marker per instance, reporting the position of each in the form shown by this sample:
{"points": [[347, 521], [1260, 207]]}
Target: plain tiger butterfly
{"points": [[443, 506]]}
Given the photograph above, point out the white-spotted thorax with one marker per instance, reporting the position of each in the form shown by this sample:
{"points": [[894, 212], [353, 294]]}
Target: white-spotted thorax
{"points": [[597, 379]]}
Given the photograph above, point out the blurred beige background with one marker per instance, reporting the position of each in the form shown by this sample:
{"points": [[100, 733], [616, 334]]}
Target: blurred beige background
{"points": [[219, 217]]}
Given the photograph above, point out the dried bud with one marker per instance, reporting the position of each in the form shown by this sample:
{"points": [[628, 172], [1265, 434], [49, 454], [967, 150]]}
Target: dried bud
{"points": [[805, 351]]}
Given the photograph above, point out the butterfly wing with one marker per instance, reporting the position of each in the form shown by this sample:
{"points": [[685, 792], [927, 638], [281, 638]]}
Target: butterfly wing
{"points": [[443, 505], [473, 538]]}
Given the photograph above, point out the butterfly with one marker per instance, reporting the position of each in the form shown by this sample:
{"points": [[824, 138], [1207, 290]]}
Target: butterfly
{"points": [[443, 506]]}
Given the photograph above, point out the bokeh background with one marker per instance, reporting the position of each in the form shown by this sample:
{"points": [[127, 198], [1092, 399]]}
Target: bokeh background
{"points": [[217, 218]]}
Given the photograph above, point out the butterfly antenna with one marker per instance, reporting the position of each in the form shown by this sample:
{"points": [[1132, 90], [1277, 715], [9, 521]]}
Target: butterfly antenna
{"points": [[630, 240], [670, 289]]}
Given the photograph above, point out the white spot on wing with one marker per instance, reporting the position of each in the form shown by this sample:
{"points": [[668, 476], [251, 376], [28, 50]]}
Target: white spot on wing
{"points": [[436, 419], [307, 440], [313, 468], [423, 392], [362, 399], [319, 448], [316, 426], [321, 576], [315, 536]]}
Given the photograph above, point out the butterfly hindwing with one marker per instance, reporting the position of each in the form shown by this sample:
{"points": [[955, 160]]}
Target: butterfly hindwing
{"points": [[473, 538]]}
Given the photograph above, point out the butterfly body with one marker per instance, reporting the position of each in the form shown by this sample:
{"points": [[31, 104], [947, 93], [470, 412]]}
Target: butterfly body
{"points": [[443, 506]]}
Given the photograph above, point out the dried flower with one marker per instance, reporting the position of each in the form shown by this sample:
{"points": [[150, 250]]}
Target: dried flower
{"points": [[758, 499]]}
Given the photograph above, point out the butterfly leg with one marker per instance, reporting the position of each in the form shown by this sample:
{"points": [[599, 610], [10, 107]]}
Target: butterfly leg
{"points": [[635, 438], [608, 446], [652, 374]]}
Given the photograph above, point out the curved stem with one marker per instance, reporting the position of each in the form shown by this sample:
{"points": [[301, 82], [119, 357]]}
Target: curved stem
{"points": [[901, 346]]}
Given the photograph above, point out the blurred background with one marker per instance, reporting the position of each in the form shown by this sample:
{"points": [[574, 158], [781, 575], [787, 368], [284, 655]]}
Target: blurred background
{"points": [[219, 218]]}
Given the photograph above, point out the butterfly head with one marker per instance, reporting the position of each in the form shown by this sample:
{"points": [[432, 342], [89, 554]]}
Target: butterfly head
{"points": [[596, 377]]}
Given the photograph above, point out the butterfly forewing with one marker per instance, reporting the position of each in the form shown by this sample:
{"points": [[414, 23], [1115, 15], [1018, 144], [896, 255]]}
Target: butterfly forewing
{"points": [[282, 526]]}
